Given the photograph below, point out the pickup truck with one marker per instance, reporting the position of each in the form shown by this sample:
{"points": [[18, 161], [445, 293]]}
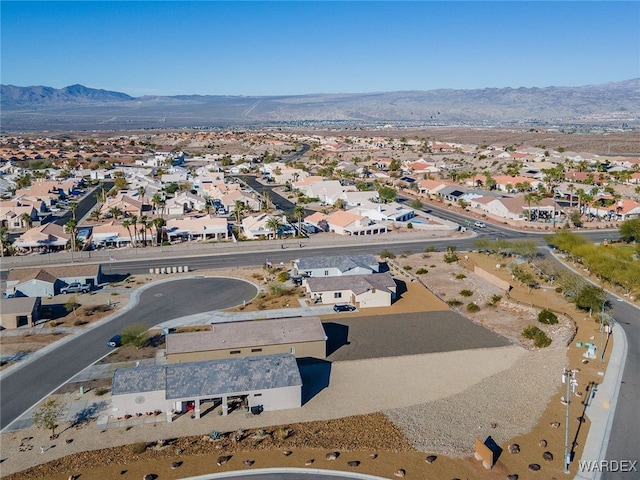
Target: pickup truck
{"points": [[76, 287]]}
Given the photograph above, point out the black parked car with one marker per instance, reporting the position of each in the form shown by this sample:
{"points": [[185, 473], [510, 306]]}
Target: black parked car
{"points": [[343, 307]]}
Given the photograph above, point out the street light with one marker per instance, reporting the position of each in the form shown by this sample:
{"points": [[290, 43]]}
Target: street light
{"points": [[569, 379]]}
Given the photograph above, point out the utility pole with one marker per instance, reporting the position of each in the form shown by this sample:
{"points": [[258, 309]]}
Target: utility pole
{"points": [[602, 332], [570, 382]]}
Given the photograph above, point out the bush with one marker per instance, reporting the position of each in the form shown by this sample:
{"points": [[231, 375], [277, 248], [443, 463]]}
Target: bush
{"points": [[283, 276], [460, 276], [495, 299], [547, 317], [541, 340], [138, 448], [407, 267], [430, 249], [454, 302], [387, 254], [451, 256], [473, 307], [102, 391], [215, 435], [422, 271], [466, 293], [409, 225], [530, 332]]}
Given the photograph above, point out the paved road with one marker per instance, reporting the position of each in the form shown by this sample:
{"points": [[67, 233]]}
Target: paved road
{"points": [[27, 386]]}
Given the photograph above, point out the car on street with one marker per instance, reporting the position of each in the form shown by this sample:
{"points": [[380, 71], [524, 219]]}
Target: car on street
{"points": [[343, 307], [76, 287], [115, 341], [480, 224]]}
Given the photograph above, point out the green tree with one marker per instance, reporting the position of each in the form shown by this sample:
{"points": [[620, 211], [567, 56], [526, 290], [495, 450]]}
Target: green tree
{"points": [[48, 415], [4, 239], [590, 298], [298, 212], [274, 224], [72, 305], [417, 204], [387, 194], [71, 227], [630, 230]]}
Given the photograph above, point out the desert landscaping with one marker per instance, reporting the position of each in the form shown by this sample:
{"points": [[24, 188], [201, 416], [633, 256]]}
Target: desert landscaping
{"points": [[372, 407]]}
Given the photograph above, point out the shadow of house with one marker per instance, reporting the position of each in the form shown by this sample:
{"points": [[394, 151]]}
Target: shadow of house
{"points": [[401, 287], [337, 336], [315, 375]]}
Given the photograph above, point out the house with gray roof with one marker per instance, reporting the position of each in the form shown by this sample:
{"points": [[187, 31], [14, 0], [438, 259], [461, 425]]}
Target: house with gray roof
{"points": [[339, 265], [47, 281], [299, 336], [376, 290], [19, 312], [267, 382]]}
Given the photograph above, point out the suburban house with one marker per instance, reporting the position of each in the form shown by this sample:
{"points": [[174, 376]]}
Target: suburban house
{"points": [[46, 282], [347, 223], [110, 234], [384, 212], [266, 382], [202, 227], [336, 266], [430, 187], [16, 215], [184, 202], [257, 226], [326, 191], [356, 199], [517, 208], [376, 290], [126, 204], [49, 236], [624, 209], [301, 337], [19, 312]]}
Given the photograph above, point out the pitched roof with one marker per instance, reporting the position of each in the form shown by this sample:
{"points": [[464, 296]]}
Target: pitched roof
{"points": [[52, 273], [342, 218], [358, 284], [344, 263]]}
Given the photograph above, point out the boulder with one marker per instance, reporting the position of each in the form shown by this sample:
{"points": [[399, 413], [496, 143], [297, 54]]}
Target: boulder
{"points": [[373, 456], [514, 448], [309, 462], [543, 443], [222, 459], [548, 456], [555, 424], [248, 463], [401, 472], [286, 453], [175, 465], [332, 455], [534, 467], [430, 459], [353, 463], [513, 476]]}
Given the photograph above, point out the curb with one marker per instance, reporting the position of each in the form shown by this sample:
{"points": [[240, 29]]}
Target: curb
{"points": [[306, 472]]}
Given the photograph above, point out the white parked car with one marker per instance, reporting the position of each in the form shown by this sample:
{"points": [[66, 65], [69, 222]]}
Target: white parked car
{"points": [[480, 224]]}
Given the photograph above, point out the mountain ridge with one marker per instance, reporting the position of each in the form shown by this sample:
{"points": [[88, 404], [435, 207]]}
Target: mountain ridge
{"points": [[80, 107]]}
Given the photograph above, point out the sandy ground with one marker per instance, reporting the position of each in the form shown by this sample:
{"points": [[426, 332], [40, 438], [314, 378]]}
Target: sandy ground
{"points": [[367, 386]]}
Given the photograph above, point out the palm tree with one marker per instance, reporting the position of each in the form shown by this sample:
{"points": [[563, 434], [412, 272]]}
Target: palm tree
{"points": [[158, 223], [71, 227], [274, 223], [95, 215], [298, 212], [126, 223], [134, 223], [4, 239], [238, 210], [141, 192], [156, 200], [115, 212], [73, 206], [25, 218], [144, 220]]}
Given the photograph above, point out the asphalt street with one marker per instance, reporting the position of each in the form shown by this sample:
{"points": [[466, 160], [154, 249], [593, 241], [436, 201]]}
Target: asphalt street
{"points": [[27, 386]]}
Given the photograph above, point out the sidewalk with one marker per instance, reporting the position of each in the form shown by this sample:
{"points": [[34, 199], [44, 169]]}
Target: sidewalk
{"points": [[602, 407]]}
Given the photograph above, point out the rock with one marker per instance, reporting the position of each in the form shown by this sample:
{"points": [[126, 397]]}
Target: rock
{"points": [[353, 463], [514, 448], [286, 453], [222, 459], [149, 476], [494, 425], [248, 463], [513, 476], [401, 472], [548, 456], [430, 459], [580, 419], [373, 456], [332, 455], [74, 477], [534, 467], [542, 443], [175, 465], [68, 441], [555, 424], [309, 462]]}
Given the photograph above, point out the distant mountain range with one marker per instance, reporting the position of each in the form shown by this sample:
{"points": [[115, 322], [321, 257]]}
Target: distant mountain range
{"points": [[81, 108]]}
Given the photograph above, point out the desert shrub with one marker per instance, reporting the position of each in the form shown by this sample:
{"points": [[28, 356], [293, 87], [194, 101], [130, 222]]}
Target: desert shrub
{"points": [[282, 434], [53, 324], [530, 332], [454, 302], [278, 290], [387, 254], [473, 307], [558, 289], [547, 317], [283, 276], [495, 299], [430, 249], [409, 225], [215, 435], [102, 391], [407, 267], [466, 293], [79, 322], [460, 276], [138, 448], [541, 340], [451, 256], [422, 271]]}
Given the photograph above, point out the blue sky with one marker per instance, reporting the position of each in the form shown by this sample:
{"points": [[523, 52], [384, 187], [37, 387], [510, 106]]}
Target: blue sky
{"points": [[281, 48]]}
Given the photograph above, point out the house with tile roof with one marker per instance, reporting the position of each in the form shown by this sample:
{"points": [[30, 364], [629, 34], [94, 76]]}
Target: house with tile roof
{"points": [[347, 223], [623, 209], [184, 202], [256, 226], [128, 205], [110, 234], [200, 227], [255, 383], [384, 212], [364, 291], [430, 187], [12, 211], [47, 237]]}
